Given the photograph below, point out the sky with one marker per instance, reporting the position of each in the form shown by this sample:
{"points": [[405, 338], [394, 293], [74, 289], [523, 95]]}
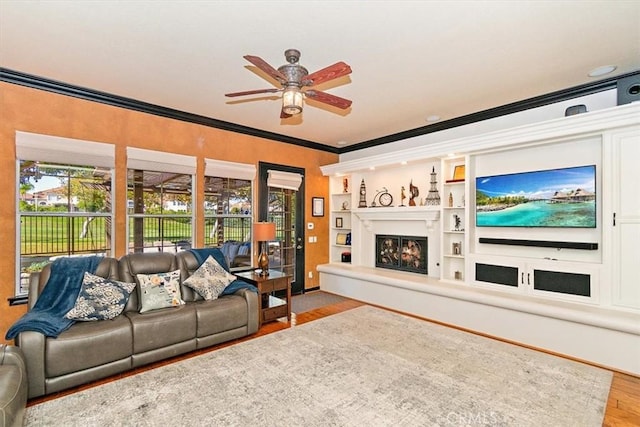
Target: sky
{"points": [[540, 184], [45, 183]]}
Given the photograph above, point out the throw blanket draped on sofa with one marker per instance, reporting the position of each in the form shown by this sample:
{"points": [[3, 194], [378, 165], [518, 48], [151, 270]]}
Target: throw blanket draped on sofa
{"points": [[202, 255], [57, 298]]}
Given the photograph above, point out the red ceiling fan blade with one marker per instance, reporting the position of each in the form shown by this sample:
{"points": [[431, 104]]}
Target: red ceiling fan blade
{"points": [[331, 72], [252, 92], [262, 64], [326, 98]]}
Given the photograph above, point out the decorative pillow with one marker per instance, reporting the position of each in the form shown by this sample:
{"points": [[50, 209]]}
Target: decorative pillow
{"points": [[159, 290], [210, 279], [244, 248], [100, 299]]}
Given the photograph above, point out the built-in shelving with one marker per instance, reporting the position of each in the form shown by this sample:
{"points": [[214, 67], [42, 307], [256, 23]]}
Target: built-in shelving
{"points": [[341, 204], [454, 244]]}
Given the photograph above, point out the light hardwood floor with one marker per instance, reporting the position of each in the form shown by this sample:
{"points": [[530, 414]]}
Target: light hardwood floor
{"points": [[623, 406]]}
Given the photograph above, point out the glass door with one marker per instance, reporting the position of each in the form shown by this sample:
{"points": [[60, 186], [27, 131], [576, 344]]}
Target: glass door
{"points": [[281, 200]]}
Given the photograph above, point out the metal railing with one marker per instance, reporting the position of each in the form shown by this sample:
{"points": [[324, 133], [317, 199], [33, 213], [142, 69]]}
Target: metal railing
{"points": [[163, 233], [222, 228], [66, 233]]}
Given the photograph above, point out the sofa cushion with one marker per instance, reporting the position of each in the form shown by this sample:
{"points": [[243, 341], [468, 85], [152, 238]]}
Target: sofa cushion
{"points": [[100, 299], [88, 344], [224, 314], [159, 290], [162, 328], [210, 279]]}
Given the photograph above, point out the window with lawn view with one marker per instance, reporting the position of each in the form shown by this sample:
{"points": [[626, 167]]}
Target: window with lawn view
{"points": [[64, 192], [64, 210], [159, 200], [228, 217], [160, 211]]}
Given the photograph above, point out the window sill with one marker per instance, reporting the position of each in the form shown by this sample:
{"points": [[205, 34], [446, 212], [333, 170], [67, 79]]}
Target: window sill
{"points": [[19, 300]]}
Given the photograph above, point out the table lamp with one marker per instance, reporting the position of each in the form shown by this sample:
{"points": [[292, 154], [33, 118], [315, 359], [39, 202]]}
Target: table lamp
{"points": [[264, 232]]}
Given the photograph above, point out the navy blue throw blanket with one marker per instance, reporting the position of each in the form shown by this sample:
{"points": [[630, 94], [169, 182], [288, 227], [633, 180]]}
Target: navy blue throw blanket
{"points": [[202, 255], [57, 298]]}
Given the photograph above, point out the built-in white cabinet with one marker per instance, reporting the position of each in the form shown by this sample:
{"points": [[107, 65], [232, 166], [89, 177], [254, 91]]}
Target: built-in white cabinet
{"points": [[591, 265], [569, 281], [622, 153]]}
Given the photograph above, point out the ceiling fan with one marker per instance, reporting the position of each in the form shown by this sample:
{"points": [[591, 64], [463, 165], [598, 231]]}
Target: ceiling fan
{"points": [[293, 78]]}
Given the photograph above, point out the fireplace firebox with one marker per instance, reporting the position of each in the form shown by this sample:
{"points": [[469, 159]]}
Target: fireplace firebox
{"points": [[405, 253]]}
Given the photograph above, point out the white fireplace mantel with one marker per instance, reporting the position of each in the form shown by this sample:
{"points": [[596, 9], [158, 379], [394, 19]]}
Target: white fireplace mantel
{"points": [[368, 216]]}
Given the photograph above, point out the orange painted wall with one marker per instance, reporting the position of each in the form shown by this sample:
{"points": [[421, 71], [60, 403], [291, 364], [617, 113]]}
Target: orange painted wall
{"points": [[37, 111]]}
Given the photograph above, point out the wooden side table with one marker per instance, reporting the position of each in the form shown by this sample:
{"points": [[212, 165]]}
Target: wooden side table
{"points": [[270, 308]]}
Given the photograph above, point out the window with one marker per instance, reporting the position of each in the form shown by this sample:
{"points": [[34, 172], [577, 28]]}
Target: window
{"points": [[159, 201], [64, 201], [228, 210]]}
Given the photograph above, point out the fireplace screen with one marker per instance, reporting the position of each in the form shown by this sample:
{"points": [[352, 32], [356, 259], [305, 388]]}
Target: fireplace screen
{"points": [[406, 253]]}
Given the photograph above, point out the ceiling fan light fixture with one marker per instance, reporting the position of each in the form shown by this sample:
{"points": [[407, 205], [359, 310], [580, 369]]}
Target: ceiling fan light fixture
{"points": [[292, 101]]}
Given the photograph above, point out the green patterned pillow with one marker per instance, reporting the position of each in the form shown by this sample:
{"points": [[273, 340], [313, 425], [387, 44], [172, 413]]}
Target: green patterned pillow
{"points": [[159, 290], [100, 299], [210, 279]]}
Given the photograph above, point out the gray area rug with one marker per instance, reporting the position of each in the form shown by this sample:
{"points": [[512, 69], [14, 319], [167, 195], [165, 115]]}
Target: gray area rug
{"points": [[312, 300], [362, 367]]}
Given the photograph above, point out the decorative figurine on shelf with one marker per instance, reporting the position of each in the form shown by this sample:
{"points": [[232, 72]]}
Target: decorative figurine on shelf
{"points": [[414, 192], [433, 198], [345, 205], [363, 195], [345, 185], [456, 248], [450, 200], [402, 196], [457, 221]]}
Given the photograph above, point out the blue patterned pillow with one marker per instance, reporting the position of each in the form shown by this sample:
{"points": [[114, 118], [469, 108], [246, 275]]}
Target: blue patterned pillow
{"points": [[210, 279], [100, 299]]}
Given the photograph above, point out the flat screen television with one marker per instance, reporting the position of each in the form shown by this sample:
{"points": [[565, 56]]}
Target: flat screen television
{"points": [[563, 198]]}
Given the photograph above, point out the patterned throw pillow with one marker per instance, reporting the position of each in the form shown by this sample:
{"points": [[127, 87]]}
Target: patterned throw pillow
{"points": [[159, 290], [210, 279], [100, 299]]}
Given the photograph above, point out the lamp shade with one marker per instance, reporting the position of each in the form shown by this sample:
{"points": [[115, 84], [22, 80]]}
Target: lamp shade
{"points": [[292, 101], [264, 231]]}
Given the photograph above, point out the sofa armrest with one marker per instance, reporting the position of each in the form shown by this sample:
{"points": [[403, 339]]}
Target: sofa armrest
{"points": [[13, 392], [253, 321], [32, 345]]}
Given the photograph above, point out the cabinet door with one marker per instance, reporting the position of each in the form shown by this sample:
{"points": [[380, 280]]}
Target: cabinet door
{"points": [[564, 281], [504, 274], [625, 224]]}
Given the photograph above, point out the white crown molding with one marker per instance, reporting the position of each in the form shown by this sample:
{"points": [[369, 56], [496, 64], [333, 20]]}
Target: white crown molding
{"points": [[538, 133]]}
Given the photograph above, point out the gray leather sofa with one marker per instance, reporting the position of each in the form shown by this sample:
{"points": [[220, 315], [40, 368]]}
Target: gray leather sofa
{"points": [[13, 386], [92, 350]]}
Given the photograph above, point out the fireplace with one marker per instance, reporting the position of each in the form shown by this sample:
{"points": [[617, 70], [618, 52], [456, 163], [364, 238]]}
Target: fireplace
{"points": [[405, 253]]}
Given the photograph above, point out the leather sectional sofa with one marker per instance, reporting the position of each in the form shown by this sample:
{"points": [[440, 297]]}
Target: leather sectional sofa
{"points": [[13, 386], [88, 351]]}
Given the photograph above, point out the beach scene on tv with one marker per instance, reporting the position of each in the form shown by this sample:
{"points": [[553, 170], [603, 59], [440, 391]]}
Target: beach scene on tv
{"points": [[550, 198]]}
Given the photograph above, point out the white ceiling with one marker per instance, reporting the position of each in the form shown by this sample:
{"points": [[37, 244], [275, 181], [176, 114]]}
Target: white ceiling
{"points": [[410, 59]]}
